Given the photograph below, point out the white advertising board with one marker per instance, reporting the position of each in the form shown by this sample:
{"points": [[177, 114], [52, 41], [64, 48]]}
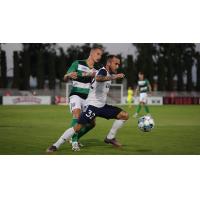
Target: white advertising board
{"points": [[26, 100], [153, 100]]}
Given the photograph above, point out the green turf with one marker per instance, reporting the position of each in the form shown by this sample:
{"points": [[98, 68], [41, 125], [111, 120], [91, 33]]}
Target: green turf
{"points": [[31, 129]]}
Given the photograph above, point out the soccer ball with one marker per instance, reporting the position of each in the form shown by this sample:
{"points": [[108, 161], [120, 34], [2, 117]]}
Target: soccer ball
{"points": [[146, 123]]}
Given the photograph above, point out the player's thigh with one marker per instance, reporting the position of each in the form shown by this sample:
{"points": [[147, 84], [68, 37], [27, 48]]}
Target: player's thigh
{"points": [[109, 112], [88, 116], [76, 105], [143, 98], [83, 104]]}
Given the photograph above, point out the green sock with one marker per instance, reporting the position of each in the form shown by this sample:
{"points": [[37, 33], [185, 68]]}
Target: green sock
{"points": [[75, 138], [82, 132], [138, 108], [73, 122], [146, 109]]}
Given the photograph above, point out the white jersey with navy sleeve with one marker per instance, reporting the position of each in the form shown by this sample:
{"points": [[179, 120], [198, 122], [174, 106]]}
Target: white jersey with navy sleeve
{"points": [[99, 90]]}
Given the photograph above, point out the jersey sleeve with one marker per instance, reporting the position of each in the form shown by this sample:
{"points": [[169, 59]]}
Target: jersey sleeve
{"points": [[73, 67], [102, 72]]}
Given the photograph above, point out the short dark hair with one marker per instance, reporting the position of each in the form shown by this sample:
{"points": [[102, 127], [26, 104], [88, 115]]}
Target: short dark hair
{"points": [[96, 46], [141, 72], [110, 57]]}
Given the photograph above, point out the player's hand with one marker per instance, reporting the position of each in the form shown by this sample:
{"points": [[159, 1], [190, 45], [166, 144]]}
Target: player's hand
{"points": [[118, 76], [72, 75], [91, 74]]}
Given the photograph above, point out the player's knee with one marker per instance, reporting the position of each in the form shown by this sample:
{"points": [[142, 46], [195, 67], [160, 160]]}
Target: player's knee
{"points": [[126, 116], [123, 115], [76, 113], [77, 127]]}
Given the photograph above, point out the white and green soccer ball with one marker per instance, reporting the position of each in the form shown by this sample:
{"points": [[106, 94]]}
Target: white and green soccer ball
{"points": [[146, 123]]}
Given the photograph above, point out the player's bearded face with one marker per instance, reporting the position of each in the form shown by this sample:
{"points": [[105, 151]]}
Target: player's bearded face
{"points": [[97, 54], [114, 65]]}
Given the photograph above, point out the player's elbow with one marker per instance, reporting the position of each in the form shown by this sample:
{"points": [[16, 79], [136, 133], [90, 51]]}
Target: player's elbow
{"points": [[101, 78], [98, 79], [65, 78]]}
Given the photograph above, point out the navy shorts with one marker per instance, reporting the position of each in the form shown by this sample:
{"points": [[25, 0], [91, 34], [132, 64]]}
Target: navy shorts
{"points": [[107, 112]]}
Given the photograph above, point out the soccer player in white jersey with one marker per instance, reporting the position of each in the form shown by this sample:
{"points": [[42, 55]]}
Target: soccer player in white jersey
{"points": [[81, 72], [97, 107]]}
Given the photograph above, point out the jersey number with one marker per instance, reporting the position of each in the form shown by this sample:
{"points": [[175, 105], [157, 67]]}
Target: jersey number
{"points": [[90, 114]]}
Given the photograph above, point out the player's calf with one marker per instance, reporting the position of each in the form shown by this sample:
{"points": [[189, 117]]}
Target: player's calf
{"points": [[121, 118], [77, 128]]}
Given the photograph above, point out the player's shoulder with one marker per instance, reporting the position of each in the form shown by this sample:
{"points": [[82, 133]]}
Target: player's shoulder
{"points": [[75, 63], [102, 72], [79, 62], [82, 62]]}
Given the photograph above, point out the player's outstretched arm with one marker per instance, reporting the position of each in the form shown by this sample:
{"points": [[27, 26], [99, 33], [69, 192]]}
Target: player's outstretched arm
{"points": [[71, 72], [109, 78], [103, 78], [89, 74], [72, 75]]}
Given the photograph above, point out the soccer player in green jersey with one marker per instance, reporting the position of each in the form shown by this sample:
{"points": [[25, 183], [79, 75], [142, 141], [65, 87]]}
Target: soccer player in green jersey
{"points": [[81, 73], [143, 88]]}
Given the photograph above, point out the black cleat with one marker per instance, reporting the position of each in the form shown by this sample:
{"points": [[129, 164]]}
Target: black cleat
{"points": [[51, 149], [113, 141]]}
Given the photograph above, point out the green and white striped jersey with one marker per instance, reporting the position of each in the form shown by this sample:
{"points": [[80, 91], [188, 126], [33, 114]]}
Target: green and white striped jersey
{"points": [[143, 86], [80, 86]]}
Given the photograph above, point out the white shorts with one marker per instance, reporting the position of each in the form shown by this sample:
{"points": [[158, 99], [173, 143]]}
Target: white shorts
{"points": [[76, 102], [143, 97]]}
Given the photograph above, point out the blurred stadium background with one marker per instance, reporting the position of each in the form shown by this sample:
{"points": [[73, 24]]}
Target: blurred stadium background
{"points": [[37, 69], [32, 74]]}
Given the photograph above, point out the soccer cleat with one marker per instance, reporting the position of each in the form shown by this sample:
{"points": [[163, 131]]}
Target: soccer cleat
{"points": [[75, 146], [80, 144], [113, 141], [51, 149]]}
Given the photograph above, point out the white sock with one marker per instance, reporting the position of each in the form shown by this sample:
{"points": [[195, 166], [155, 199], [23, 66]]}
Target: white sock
{"points": [[113, 131], [66, 136]]}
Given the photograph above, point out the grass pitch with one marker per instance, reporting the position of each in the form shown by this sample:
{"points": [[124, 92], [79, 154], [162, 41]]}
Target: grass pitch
{"points": [[29, 130]]}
